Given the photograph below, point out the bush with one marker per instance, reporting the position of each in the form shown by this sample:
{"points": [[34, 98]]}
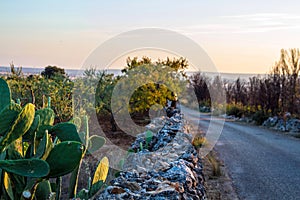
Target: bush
{"points": [[260, 116], [235, 110]]}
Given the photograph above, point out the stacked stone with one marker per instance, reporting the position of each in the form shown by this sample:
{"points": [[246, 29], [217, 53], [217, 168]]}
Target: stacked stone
{"points": [[170, 168]]}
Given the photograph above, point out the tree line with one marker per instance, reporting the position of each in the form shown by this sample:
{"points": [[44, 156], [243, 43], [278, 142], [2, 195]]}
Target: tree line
{"points": [[275, 93]]}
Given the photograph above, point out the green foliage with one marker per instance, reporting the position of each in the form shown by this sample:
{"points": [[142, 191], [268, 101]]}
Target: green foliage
{"points": [[236, 110], [36, 89], [141, 146], [28, 155], [260, 116], [53, 71], [149, 136], [169, 73]]}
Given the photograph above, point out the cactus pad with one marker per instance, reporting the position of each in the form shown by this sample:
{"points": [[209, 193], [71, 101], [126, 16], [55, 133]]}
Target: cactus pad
{"points": [[95, 142], [5, 95], [64, 158], [26, 167], [8, 116], [65, 131], [101, 171], [20, 126]]}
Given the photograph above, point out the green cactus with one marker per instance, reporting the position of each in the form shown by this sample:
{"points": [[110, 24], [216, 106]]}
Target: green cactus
{"points": [[149, 136], [141, 146], [26, 167], [8, 116], [19, 182], [95, 142], [58, 187], [87, 131], [74, 176], [47, 116], [98, 180], [95, 188], [27, 177], [49, 102], [64, 158], [92, 143], [5, 95], [41, 131], [44, 148], [20, 126], [43, 190], [65, 131], [8, 185], [12, 152], [33, 128], [74, 182]]}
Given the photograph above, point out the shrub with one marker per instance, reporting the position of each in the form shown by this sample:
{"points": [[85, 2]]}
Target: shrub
{"points": [[235, 110], [260, 116]]}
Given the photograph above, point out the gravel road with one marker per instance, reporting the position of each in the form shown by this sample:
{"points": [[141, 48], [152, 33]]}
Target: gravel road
{"points": [[262, 163]]}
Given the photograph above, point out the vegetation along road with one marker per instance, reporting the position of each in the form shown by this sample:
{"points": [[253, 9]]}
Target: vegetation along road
{"points": [[262, 163]]}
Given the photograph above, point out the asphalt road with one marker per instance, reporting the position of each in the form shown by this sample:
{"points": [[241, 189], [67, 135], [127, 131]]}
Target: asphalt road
{"points": [[262, 163]]}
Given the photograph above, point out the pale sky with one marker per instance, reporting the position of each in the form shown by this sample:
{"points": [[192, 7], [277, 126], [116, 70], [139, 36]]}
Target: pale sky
{"points": [[239, 36]]}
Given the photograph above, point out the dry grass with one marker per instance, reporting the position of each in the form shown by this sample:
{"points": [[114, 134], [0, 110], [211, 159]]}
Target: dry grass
{"points": [[218, 184]]}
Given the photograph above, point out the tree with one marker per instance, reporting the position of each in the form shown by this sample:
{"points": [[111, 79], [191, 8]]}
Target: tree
{"points": [[199, 83], [53, 71], [285, 73], [169, 72]]}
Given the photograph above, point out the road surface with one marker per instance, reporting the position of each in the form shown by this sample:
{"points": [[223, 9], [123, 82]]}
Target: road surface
{"points": [[262, 163]]}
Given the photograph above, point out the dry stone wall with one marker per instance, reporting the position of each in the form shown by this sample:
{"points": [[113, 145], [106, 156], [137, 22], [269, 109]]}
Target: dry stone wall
{"points": [[169, 168]]}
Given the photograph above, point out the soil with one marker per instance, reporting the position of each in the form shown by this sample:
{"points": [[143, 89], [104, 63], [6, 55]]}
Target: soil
{"points": [[218, 187]]}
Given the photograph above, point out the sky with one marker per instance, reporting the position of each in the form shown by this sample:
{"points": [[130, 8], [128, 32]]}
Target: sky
{"points": [[239, 36]]}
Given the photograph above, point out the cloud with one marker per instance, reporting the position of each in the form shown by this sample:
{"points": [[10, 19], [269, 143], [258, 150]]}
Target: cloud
{"points": [[252, 23]]}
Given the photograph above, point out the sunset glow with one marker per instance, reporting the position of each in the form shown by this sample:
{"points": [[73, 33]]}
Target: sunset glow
{"points": [[240, 37]]}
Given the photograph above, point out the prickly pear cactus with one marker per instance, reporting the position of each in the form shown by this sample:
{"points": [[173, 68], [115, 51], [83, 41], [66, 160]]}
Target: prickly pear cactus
{"points": [[7, 116], [47, 116], [65, 131], [26, 167], [43, 190], [64, 158], [95, 142], [19, 127], [44, 148], [8, 185], [5, 95], [33, 128], [101, 171]]}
